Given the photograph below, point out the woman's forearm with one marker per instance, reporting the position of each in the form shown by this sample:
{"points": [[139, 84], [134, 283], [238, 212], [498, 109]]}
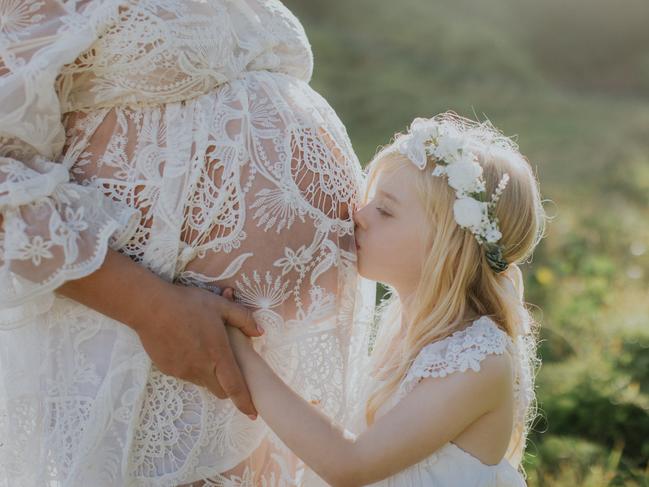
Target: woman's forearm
{"points": [[120, 288], [309, 433]]}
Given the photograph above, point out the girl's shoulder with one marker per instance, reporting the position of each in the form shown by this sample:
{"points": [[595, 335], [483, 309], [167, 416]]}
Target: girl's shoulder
{"points": [[460, 351]]}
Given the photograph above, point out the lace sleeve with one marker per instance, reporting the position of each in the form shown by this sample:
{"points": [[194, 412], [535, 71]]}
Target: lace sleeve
{"points": [[51, 230], [459, 352]]}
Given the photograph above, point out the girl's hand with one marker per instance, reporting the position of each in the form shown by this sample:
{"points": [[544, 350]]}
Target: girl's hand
{"points": [[240, 343]]}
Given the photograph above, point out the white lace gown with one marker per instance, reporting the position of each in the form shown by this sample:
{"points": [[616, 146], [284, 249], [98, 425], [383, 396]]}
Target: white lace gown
{"points": [[184, 135], [450, 465]]}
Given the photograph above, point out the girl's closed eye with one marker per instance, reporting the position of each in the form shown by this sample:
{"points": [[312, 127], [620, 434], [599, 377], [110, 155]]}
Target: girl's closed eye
{"points": [[382, 211]]}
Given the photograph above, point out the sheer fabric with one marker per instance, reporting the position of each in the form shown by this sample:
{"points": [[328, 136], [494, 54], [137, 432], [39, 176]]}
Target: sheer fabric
{"points": [[184, 135]]}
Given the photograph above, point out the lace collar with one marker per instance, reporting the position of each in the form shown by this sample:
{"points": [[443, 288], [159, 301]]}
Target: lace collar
{"points": [[464, 349]]}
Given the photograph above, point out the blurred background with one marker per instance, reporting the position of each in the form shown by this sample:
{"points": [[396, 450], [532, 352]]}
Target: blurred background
{"points": [[571, 80]]}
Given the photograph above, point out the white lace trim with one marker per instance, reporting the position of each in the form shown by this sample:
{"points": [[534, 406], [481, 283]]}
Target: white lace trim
{"points": [[38, 299], [463, 350]]}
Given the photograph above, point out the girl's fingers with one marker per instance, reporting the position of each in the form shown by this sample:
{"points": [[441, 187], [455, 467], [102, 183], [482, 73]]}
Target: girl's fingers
{"points": [[228, 293]]}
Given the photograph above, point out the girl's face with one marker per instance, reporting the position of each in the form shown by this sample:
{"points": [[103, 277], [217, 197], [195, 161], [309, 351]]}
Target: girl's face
{"points": [[391, 231]]}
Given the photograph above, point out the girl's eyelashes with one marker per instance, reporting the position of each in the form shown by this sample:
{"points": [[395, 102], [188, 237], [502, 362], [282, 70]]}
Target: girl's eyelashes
{"points": [[382, 211]]}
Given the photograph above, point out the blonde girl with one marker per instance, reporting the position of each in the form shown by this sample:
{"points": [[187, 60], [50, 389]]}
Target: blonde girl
{"points": [[451, 209]]}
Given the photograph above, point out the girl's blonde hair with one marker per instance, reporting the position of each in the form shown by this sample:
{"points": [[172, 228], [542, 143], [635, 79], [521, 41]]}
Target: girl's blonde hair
{"points": [[456, 279]]}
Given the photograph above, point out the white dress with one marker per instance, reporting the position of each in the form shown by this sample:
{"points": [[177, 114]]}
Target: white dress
{"points": [[450, 465], [184, 135]]}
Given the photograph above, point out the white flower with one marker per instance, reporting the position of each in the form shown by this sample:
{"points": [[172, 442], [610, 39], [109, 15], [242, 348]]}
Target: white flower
{"points": [[425, 126], [455, 152], [464, 175], [450, 145], [415, 145], [425, 129], [493, 235], [75, 219], [469, 212], [65, 233], [37, 249], [294, 259], [468, 361], [439, 171], [413, 148]]}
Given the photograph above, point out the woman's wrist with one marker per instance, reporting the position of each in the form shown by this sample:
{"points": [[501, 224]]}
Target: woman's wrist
{"points": [[120, 289]]}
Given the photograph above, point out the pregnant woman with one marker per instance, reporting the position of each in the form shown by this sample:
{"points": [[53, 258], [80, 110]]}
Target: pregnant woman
{"points": [[152, 152]]}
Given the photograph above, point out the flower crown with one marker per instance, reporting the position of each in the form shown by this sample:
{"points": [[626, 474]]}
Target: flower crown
{"points": [[452, 151]]}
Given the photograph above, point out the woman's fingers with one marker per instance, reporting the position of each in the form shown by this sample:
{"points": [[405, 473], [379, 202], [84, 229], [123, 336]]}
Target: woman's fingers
{"points": [[228, 376], [228, 293], [186, 338], [239, 316], [212, 384]]}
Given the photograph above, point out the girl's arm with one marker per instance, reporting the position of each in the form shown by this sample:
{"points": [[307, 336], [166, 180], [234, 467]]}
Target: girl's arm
{"points": [[434, 413]]}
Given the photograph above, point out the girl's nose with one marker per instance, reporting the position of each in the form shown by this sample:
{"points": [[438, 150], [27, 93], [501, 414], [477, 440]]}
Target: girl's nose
{"points": [[358, 216]]}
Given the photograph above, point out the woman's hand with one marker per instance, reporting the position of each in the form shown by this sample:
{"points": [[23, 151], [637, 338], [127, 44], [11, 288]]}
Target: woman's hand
{"points": [[181, 328], [187, 339]]}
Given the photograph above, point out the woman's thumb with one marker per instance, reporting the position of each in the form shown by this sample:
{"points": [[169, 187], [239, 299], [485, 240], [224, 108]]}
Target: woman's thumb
{"points": [[239, 316]]}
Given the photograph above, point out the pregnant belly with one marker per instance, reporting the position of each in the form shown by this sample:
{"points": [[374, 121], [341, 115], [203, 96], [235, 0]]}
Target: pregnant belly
{"points": [[248, 186]]}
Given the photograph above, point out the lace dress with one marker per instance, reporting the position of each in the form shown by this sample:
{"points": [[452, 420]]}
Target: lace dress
{"points": [[450, 465], [184, 135]]}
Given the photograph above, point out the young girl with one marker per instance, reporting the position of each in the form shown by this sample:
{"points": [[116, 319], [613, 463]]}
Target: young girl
{"points": [[451, 209]]}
